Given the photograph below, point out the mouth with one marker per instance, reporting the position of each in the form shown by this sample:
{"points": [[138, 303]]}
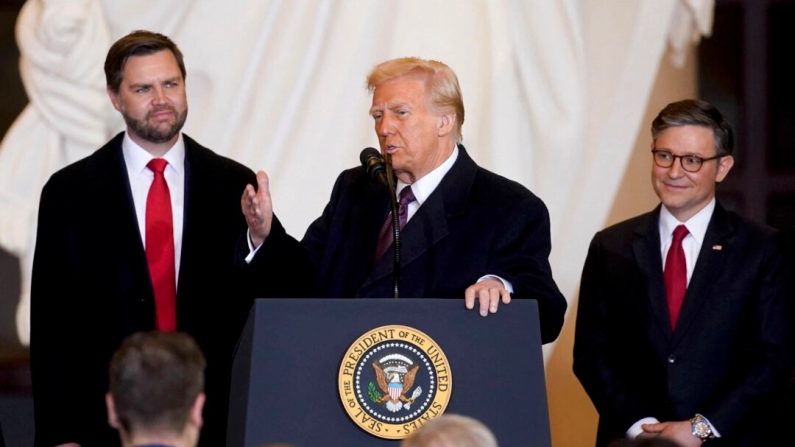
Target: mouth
{"points": [[163, 114], [390, 149], [675, 187]]}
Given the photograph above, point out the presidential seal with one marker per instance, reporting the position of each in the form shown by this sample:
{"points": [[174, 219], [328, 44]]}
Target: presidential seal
{"points": [[394, 379]]}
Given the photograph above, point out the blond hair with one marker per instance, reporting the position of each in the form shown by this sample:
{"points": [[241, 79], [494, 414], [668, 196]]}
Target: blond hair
{"points": [[445, 93], [451, 430]]}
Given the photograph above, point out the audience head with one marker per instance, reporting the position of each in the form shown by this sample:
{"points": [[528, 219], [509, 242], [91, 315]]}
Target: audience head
{"points": [[157, 389], [451, 430]]}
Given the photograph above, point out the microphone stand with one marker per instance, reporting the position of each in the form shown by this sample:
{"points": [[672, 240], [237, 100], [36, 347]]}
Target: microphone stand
{"points": [[390, 180]]}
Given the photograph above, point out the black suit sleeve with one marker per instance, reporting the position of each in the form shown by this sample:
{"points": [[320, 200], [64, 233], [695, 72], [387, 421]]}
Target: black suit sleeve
{"points": [[56, 351], [280, 268], [519, 253], [621, 401], [768, 340]]}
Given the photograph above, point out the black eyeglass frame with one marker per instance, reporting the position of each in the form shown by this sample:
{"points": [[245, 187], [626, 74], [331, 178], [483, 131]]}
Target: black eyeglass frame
{"points": [[701, 160]]}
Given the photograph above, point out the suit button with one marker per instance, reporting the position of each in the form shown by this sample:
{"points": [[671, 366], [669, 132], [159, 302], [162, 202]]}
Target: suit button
{"points": [[671, 358]]}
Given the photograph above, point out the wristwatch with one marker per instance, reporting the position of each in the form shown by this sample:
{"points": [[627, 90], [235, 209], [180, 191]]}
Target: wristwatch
{"points": [[700, 428]]}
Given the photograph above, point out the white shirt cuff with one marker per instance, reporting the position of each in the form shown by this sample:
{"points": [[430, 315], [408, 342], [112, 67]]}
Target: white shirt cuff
{"points": [[635, 429], [251, 249], [712, 427], [508, 286]]}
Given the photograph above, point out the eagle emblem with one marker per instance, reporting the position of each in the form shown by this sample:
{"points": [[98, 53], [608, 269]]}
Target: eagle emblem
{"points": [[394, 374], [393, 379]]}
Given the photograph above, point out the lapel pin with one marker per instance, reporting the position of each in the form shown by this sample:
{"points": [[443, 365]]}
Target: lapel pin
{"points": [[717, 247]]}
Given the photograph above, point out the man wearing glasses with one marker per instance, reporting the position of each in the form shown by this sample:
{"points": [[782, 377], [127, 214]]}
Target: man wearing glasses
{"points": [[683, 321]]}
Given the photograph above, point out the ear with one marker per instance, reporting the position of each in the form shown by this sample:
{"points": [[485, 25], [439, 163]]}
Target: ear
{"points": [[196, 410], [114, 99], [724, 166], [113, 418], [446, 124]]}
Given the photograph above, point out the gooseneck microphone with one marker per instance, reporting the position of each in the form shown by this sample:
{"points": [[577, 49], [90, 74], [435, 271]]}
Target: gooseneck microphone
{"points": [[381, 171], [373, 164]]}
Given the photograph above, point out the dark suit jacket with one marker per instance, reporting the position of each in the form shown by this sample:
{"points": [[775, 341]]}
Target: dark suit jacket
{"points": [[91, 287], [474, 223], [731, 347]]}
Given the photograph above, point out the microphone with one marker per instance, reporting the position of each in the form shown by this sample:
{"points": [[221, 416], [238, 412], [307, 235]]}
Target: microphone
{"points": [[373, 164], [381, 170]]}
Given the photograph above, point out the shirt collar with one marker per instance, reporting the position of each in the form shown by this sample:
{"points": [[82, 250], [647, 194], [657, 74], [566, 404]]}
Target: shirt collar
{"points": [[696, 225], [137, 157], [423, 187]]}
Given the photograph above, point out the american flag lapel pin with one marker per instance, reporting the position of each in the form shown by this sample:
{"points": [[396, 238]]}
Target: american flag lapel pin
{"points": [[717, 247]]}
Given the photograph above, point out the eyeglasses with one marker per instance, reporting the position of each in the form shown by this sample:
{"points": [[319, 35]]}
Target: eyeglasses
{"points": [[690, 163]]}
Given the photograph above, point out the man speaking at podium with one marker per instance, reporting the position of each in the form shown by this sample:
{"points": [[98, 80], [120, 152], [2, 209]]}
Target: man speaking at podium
{"points": [[466, 232]]}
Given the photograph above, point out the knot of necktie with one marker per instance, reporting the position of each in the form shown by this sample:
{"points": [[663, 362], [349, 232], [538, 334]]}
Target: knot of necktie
{"points": [[406, 197], [157, 165], [679, 233], [385, 236]]}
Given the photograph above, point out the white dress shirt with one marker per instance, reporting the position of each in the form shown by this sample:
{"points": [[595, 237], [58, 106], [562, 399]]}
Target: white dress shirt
{"points": [[691, 244]]}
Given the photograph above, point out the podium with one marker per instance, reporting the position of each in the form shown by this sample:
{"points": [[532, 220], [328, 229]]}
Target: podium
{"points": [[286, 375]]}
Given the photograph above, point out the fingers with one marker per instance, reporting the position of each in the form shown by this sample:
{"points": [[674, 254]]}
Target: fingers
{"points": [[263, 186], [246, 200], [488, 294], [653, 428], [469, 297], [257, 208], [485, 296]]}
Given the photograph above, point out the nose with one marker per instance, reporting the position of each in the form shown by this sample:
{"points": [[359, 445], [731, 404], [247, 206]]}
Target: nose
{"points": [[158, 95], [676, 170], [384, 126]]}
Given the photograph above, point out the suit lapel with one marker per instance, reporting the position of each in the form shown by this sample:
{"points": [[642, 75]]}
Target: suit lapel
{"points": [[426, 228], [710, 263], [195, 182], [646, 247], [429, 225], [368, 217], [110, 182], [113, 184]]}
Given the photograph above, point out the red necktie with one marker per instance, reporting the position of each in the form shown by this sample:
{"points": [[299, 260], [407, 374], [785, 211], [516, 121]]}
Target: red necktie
{"points": [[675, 275], [160, 247], [385, 236]]}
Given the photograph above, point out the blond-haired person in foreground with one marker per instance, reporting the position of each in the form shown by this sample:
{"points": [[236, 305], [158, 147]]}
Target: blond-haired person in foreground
{"points": [[452, 430]]}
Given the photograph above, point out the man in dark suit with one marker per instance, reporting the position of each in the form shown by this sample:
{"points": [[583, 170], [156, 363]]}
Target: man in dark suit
{"points": [[469, 234], [98, 272], [683, 322]]}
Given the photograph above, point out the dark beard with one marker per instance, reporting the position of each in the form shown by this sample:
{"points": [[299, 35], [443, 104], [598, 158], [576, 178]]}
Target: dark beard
{"points": [[153, 134]]}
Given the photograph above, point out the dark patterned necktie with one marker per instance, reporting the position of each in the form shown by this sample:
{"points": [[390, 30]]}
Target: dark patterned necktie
{"points": [[385, 236]]}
